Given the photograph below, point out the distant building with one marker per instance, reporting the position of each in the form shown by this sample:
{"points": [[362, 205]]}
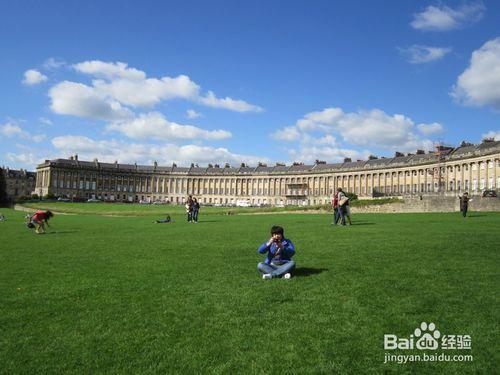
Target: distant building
{"points": [[19, 183], [449, 170]]}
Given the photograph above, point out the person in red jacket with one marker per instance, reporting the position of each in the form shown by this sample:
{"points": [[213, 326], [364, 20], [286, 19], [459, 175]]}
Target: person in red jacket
{"points": [[39, 219]]}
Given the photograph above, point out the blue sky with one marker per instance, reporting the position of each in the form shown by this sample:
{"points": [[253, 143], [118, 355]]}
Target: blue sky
{"points": [[230, 81]]}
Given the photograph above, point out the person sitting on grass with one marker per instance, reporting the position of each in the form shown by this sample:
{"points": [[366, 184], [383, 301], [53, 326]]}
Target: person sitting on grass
{"points": [[280, 250], [167, 219], [39, 219]]}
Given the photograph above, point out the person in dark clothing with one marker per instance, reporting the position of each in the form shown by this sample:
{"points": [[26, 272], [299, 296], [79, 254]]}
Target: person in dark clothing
{"points": [[167, 219], [196, 209], [464, 203], [189, 209]]}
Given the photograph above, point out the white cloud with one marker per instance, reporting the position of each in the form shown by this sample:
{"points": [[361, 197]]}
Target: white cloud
{"points": [[479, 84], [13, 130], [289, 133], [109, 151], [331, 154], [39, 137], [77, 99], [130, 86], [33, 77], [211, 100], [418, 54], [430, 129], [441, 18], [154, 125], [109, 70], [28, 159], [192, 114], [374, 129], [53, 63], [147, 92], [45, 121], [492, 134]]}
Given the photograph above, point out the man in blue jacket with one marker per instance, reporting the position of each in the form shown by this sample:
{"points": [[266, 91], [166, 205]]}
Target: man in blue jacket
{"points": [[280, 250]]}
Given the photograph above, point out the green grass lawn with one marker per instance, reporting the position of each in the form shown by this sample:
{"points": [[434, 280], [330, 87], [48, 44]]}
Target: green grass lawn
{"points": [[127, 209], [101, 294]]}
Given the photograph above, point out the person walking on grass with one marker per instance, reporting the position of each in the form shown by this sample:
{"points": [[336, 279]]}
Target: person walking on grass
{"points": [[196, 210], [280, 250], [39, 219], [464, 203]]}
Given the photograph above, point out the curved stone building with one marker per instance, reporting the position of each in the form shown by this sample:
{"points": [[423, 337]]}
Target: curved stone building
{"points": [[472, 168]]}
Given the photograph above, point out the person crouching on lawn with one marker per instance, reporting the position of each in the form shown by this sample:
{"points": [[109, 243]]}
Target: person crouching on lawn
{"points": [[39, 219], [280, 250]]}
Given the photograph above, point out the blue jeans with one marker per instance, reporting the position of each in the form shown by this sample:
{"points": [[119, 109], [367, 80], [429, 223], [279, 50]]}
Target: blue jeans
{"points": [[276, 271], [336, 216], [195, 215], [190, 216], [342, 213]]}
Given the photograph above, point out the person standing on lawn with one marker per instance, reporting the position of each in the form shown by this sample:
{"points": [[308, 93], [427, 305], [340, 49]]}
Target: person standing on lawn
{"points": [[342, 200], [335, 204], [189, 209], [196, 209], [464, 203]]}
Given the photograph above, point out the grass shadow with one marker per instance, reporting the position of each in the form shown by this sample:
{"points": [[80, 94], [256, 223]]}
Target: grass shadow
{"points": [[307, 271]]}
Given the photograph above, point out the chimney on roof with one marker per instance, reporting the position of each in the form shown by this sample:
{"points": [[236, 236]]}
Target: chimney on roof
{"points": [[210, 165], [216, 166], [297, 163], [409, 154], [465, 144], [192, 165], [76, 156], [488, 140], [243, 165], [420, 152], [227, 165], [347, 160], [155, 164], [174, 165], [71, 157], [262, 164], [372, 157], [398, 154], [96, 162], [280, 164], [319, 161]]}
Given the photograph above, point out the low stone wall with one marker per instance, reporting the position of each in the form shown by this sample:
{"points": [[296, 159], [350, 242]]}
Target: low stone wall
{"points": [[431, 204]]}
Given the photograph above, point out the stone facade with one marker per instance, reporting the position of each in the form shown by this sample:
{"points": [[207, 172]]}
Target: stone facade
{"points": [[450, 171], [19, 183]]}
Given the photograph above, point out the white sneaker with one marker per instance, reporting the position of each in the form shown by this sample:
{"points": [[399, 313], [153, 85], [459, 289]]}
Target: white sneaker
{"points": [[267, 276], [287, 275]]}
